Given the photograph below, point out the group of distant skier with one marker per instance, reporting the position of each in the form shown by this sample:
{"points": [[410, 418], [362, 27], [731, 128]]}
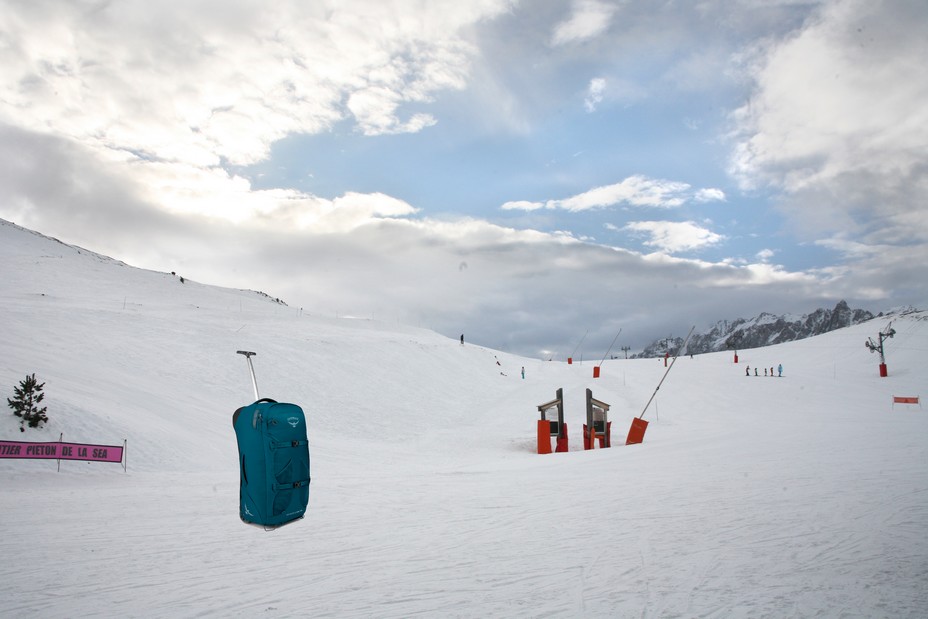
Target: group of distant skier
{"points": [[747, 371]]}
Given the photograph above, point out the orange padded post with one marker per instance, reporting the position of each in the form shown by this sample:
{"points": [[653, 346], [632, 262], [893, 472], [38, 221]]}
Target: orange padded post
{"points": [[544, 436], [561, 442], [636, 432]]}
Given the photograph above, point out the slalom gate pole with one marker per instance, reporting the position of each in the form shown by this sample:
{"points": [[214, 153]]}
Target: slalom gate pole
{"points": [[254, 383], [641, 416], [611, 345]]}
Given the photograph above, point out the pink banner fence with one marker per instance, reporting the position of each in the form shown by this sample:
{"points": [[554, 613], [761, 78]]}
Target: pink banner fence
{"points": [[63, 451]]}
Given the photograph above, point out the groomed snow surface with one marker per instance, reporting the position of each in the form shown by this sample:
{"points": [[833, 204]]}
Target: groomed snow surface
{"points": [[800, 496]]}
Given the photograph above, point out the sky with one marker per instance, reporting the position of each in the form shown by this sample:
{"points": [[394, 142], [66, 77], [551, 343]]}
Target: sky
{"points": [[531, 174]]}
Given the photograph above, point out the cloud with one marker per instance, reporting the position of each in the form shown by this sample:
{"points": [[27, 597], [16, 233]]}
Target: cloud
{"points": [[850, 248], [372, 255], [588, 20], [374, 109], [122, 127], [709, 195], [594, 94], [636, 190], [836, 125], [157, 84], [675, 236], [837, 121], [174, 104], [522, 205]]}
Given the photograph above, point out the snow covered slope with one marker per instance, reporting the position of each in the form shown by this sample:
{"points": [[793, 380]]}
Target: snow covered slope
{"points": [[805, 495]]}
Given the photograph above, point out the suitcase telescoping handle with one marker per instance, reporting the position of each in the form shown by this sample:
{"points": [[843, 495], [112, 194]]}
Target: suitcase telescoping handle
{"points": [[248, 355]]}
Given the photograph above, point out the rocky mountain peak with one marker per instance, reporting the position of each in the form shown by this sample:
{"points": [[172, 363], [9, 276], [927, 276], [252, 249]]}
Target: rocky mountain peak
{"points": [[765, 329]]}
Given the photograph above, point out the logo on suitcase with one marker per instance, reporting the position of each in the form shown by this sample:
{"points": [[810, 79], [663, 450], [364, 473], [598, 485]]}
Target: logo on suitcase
{"points": [[293, 421]]}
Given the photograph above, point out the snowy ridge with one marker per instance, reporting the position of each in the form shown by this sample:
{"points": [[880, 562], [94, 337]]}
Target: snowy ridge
{"points": [[765, 329], [22, 248], [805, 495], [54, 247]]}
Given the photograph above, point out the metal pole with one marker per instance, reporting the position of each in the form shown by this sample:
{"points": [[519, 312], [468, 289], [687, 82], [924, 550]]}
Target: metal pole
{"points": [[254, 383], [580, 344], [667, 372], [610, 346]]}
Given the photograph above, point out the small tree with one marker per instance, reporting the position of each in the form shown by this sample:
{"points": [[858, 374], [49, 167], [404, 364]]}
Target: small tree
{"points": [[25, 403]]}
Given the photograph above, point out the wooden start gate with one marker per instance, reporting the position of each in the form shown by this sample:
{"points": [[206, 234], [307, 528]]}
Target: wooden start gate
{"points": [[549, 425]]}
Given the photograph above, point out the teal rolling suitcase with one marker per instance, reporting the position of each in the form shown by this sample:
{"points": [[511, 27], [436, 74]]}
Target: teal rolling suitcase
{"points": [[273, 453]]}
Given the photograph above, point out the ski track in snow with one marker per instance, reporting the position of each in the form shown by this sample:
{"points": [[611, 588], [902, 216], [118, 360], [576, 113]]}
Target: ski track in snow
{"points": [[801, 496]]}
